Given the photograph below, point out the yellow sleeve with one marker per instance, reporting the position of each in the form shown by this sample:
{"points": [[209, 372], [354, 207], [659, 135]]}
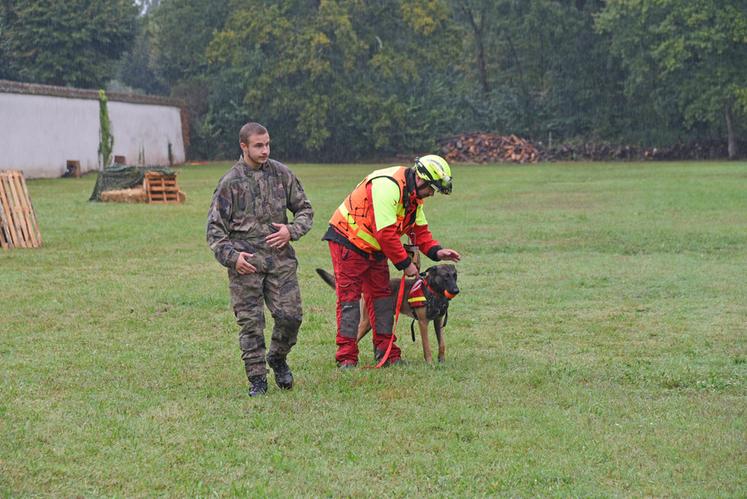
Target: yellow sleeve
{"points": [[420, 216], [385, 197]]}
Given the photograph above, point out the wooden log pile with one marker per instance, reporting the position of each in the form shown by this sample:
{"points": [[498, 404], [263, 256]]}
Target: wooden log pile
{"points": [[481, 147]]}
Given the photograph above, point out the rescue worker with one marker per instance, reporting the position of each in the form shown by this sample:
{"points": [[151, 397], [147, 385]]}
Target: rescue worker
{"points": [[249, 233], [365, 231]]}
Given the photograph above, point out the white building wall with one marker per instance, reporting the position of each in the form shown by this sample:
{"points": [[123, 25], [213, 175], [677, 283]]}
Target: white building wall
{"points": [[39, 133], [146, 130]]}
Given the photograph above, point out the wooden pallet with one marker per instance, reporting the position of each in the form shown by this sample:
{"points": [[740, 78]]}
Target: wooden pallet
{"points": [[18, 226], [160, 188]]}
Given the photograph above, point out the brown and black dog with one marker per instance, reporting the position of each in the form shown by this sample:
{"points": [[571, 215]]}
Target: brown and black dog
{"points": [[439, 286]]}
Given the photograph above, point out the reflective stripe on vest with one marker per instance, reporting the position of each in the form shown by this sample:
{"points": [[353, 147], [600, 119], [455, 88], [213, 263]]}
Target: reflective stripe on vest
{"points": [[357, 231]]}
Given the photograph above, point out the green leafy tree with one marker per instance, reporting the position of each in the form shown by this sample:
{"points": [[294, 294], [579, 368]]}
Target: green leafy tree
{"points": [[137, 67], [178, 34], [345, 79], [6, 72], [75, 43], [181, 31], [536, 67], [686, 56], [341, 79]]}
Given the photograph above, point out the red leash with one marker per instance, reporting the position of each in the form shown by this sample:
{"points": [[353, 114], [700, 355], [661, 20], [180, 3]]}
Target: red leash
{"points": [[400, 294]]}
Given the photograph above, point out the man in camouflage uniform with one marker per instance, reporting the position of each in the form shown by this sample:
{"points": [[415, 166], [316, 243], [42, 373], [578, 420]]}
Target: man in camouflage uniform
{"points": [[249, 233]]}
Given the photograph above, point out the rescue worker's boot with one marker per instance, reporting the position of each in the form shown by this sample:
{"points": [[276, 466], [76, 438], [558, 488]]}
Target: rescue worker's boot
{"points": [[381, 343], [259, 385], [390, 361], [283, 374]]}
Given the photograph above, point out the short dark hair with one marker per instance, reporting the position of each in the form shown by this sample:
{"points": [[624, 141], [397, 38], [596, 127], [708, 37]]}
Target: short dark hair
{"points": [[251, 128]]}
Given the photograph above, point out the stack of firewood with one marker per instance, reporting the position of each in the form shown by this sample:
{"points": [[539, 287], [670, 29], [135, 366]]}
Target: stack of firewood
{"points": [[483, 147]]}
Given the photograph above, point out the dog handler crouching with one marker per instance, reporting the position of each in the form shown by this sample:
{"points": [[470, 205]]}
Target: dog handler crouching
{"points": [[365, 231]]}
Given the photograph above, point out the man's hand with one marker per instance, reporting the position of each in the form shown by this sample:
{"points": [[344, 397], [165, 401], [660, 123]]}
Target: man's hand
{"points": [[280, 238], [448, 254], [411, 270], [242, 264]]}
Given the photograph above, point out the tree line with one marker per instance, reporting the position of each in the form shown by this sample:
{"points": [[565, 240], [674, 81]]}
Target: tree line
{"points": [[339, 80]]}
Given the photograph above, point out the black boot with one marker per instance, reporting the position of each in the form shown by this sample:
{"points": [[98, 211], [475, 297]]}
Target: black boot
{"points": [[379, 354], [283, 374], [259, 385]]}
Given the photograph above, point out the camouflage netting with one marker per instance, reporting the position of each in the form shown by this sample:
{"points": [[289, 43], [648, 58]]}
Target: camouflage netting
{"points": [[124, 177]]}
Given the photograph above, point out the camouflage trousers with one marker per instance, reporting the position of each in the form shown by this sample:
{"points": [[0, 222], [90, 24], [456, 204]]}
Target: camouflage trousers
{"points": [[275, 284]]}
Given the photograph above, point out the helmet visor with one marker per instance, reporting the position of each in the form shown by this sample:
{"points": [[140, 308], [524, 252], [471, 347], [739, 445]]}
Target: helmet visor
{"points": [[445, 187]]}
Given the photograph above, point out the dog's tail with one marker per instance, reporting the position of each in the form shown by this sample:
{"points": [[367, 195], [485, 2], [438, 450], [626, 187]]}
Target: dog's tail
{"points": [[326, 277]]}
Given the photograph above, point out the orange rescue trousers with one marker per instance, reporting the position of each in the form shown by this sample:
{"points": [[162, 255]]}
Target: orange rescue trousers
{"points": [[356, 274]]}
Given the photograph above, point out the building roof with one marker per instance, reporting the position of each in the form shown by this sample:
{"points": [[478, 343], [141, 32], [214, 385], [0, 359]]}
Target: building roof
{"points": [[17, 87]]}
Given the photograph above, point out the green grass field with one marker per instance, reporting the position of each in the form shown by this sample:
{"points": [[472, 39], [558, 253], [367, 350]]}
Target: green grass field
{"points": [[598, 347]]}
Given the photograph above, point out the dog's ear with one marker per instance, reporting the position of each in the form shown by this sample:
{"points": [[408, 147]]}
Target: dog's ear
{"points": [[434, 277]]}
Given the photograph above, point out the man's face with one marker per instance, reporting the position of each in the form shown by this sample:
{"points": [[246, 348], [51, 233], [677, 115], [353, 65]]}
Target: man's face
{"points": [[257, 150], [424, 190]]}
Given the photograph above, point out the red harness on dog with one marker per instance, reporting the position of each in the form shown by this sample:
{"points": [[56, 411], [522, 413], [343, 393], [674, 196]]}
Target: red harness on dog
{"points": [[416, 297]]}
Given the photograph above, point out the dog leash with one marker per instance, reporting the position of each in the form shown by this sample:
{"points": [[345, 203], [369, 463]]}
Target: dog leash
{"points": [[421, 277], [400, 294], [412, 325]]}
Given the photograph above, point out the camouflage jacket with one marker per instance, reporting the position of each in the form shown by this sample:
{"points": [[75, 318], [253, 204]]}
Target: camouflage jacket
{"points": [[247, 202]]}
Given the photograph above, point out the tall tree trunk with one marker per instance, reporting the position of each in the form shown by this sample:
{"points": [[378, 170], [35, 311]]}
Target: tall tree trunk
{"points": [[730, 133], [528, 104], [477, 29], [481, 65]]}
